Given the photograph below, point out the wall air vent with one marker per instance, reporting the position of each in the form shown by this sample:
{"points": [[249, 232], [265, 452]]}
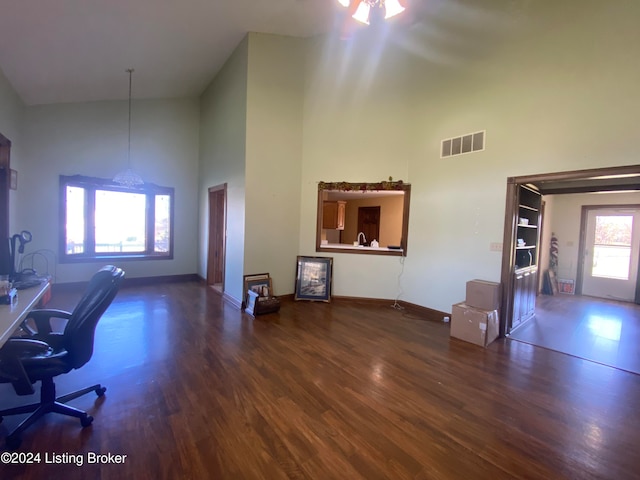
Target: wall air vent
{"points": [[471, 142]]}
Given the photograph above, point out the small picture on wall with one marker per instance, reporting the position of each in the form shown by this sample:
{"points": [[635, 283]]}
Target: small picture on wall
{"points": [[13, 179]]}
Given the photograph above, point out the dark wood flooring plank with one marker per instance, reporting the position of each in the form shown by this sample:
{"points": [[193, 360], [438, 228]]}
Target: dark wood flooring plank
{"points": [[196, 389]]}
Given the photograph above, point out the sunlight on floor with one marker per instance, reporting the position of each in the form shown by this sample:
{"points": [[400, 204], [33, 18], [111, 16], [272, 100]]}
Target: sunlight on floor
{"points": [[609, 328]]}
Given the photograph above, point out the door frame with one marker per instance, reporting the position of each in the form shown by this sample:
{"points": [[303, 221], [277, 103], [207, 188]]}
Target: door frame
{"points": [[583, 240], [217, 224], [5, 175], [576, 181]]}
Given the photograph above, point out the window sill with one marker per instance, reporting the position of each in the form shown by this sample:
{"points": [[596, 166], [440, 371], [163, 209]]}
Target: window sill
{"points": [[346, 248], [103, 258]]}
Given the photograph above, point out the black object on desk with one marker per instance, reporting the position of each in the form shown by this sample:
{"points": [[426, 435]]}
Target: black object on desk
{"points": [[27, 280]]}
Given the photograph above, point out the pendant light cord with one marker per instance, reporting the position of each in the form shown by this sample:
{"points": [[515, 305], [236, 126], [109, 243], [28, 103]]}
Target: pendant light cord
{"points": [[130, 70]]}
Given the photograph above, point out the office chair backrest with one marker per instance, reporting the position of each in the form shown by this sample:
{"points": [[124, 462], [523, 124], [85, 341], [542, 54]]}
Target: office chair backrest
{"points": [[80, 330]]}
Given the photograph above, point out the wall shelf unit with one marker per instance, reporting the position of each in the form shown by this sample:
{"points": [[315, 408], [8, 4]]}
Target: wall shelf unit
{"points": [[526, 254]]}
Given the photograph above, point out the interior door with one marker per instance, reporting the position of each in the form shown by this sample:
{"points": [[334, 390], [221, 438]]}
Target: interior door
{"points": [[369, 223], [610, 258], [5, 148], [217, 235]]}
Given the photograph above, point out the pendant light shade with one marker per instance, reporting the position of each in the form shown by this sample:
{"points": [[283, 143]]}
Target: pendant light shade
{"points": [[362, 13], [128, 178], [392, 8]]}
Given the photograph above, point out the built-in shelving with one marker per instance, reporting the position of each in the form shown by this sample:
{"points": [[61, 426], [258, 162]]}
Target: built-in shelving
{"points": [[525, 275]]}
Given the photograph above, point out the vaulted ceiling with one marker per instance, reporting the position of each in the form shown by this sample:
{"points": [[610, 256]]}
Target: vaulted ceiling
{"points": [[58, 51], [55, 51]]}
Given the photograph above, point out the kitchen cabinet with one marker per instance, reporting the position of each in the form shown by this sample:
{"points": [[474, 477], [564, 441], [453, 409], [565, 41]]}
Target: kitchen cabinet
{"points": [[333, 214]]}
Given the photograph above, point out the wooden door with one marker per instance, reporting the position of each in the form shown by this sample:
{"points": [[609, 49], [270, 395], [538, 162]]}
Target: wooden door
{"points": [[5, 175], [369, 223], [518, 299], [217, 236]]}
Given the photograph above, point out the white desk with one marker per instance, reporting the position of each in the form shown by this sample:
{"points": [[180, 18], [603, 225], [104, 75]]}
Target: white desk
{"points": [[11, 316]]}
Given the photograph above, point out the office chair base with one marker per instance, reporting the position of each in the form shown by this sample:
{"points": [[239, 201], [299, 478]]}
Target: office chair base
{"points": [[49, 404]]}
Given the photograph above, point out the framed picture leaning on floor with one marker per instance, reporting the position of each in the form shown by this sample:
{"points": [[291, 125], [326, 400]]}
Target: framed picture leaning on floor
{"points": [[313, 278]]}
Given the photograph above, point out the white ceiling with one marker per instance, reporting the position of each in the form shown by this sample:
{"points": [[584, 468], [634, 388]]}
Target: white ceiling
{"points": [[55, 51], [58, 51]]}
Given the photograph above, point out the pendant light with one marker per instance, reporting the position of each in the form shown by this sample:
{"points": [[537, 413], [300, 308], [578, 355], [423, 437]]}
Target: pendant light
{"points": [[363, 8], [128, 178]]}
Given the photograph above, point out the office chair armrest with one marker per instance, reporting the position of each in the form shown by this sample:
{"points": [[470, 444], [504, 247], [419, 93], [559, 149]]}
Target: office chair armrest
{"points": [[42, 319], [11, 367], [23, 347]]}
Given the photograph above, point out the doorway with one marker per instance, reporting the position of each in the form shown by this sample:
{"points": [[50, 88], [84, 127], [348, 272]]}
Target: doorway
{"points": [[217, 236], [610, 244], [369, 223], [610, 179]]}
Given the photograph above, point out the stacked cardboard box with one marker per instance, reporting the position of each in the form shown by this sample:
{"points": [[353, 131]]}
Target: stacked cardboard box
{"points": [[476, 319]]}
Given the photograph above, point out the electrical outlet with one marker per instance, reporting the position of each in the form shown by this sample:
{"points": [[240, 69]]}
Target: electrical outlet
{"points": [[495, 247]]}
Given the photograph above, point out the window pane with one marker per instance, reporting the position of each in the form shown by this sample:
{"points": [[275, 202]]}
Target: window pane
{"points": [[612, 247], [75, 220], [120, 222], [614, 230], [162, 230]]}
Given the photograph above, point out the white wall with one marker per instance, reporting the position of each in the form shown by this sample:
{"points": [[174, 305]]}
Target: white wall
{"points": [[565, 223], [11, 119], [223, 119], [91, 139], [275, 89]]}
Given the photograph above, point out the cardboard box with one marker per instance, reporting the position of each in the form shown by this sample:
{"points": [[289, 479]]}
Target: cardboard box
{"points": [[474, 325], [483, 294]]}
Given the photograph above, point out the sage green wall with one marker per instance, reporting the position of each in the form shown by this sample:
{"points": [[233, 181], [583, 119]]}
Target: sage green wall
{"points": [[357, 118], [11, 119], [91, 139], [223, 118], [556, 91], [560, 93], [275, 90]]}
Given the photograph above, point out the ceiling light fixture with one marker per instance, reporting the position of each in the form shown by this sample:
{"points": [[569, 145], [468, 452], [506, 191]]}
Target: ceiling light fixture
{"points": [[363, 8], [128, 178]]}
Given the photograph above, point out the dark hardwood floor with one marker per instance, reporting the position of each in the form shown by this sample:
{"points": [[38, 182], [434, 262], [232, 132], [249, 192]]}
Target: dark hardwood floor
{"points": [[198, 390]]}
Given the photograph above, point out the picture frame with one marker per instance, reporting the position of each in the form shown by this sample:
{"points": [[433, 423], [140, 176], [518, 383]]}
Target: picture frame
{"points": [[554, 282], [566, 286], [13, 179], [313, 278], [256, 283], [252, 298]]}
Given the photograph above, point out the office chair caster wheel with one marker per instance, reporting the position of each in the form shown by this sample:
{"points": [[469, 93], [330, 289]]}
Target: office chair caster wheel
{"points": [[86, 421], [13, 442], [100, 391]]}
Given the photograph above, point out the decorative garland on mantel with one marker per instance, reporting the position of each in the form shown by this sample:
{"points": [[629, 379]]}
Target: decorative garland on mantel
{"points": [[363, 187]]}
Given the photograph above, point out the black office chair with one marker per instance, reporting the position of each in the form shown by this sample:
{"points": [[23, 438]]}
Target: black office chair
{"points": [[44, 353]]}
